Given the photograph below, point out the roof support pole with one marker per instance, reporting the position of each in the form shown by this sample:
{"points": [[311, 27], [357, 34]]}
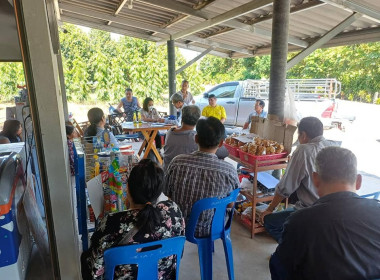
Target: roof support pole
{"points": [[279, 52], [171, 72], [324, 39], [193, 60]]}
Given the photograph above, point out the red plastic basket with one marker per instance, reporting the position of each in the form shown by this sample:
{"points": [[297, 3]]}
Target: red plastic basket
{"points": [[251, 159], [234, 151]]}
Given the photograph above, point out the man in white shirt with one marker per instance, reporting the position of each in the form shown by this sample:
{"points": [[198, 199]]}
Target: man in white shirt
{"points": [[188, 98], [259, 112], [298, 176]]}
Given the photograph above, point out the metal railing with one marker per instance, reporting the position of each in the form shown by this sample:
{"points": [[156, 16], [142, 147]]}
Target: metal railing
{"points": [[301, 88]]}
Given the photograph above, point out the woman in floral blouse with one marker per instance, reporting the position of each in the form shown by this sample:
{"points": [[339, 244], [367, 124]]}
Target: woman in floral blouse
{"points": [[145, 221]]}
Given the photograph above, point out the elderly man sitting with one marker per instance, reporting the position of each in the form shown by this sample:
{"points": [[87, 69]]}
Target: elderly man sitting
{"points": [[338, 237], [182, 140], [297, 177]]}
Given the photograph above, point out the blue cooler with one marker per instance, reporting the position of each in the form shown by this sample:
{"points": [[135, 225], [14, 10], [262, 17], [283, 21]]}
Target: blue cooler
{"points": [[11, 190]]}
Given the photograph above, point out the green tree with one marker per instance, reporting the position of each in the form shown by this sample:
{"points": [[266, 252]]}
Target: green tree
{"points": [[11, 75]]}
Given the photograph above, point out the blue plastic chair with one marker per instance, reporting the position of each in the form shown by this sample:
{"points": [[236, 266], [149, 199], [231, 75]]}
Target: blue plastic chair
{"points": [[374, 195], [147, 261], [219, 229]]}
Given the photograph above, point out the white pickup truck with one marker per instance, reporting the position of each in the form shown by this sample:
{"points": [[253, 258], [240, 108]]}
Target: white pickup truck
{"points": [[312, 97]]}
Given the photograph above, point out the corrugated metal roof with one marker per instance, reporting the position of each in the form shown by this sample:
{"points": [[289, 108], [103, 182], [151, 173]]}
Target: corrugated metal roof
{"points": [[247, 34]]}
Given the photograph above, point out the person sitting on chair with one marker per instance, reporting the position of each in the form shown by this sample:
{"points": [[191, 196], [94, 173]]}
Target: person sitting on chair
{"points": [[146, 220], [150, 114], [182, 140], [12, 130], [214, 110], [338, 237], [130, 105], [97, 121], [201, 174], [297, 178], [259, 112]]}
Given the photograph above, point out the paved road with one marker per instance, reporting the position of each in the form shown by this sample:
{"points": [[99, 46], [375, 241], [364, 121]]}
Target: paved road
{"points": [[363, 138]]}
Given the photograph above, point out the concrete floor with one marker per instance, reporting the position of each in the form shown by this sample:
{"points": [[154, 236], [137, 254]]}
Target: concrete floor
{"points": [[251, 257]]}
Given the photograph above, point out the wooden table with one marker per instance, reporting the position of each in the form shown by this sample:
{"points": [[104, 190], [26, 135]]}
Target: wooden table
{"points": [[149, 131]]}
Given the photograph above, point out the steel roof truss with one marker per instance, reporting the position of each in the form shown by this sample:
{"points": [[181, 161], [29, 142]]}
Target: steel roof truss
{"points": [[324, 39]]}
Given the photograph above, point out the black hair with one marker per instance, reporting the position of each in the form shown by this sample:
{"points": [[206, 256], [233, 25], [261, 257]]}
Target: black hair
{"points": [[69, 129], [10, 130], [210, 132], [95, 115], [146, 183], [261, 103], [184, 81], [146, 102], [128, 89], [312, 126], [191, 114]]}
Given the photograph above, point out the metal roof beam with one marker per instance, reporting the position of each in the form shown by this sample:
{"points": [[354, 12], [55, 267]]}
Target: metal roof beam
{"points": [[263, 32], [236, 12], [356, 7], [218, 45], [176, 6], [108, 28], [200, 49], [194, 60], [293, 10], [324, 39], [104, 16], [134, 34], [118, 9]]}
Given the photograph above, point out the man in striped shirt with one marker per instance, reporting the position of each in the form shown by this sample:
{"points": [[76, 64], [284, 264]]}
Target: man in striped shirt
{"points": [[201, 174]]}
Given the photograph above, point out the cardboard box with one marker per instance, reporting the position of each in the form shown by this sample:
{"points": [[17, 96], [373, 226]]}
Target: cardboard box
{"points": [[271, 128]]}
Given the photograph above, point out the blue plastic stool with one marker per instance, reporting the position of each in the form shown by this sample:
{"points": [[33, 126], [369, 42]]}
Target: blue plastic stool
{"points": [[147, 261], [374, 195], [219, 229]]}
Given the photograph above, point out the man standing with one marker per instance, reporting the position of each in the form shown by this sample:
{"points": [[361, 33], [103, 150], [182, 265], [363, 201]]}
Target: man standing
{"points": [[130, 105], [214, 110], [259, 112], [201, 174], [188, 98], [339, 236], [298, 176]]}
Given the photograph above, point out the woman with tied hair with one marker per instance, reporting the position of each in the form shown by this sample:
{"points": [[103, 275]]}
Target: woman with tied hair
{"points": [[12, 130], [146, 220], [97, 121]]}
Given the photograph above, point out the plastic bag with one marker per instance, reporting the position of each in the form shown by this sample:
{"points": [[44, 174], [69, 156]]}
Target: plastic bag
{"points": [[290, 111]]}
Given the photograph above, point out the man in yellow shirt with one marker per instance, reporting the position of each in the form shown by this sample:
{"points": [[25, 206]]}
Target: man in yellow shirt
{"points": [[214, 110]]}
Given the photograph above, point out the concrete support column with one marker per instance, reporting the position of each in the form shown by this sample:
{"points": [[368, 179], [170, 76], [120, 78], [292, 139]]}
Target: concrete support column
{"points": [[171, 73], [280, 25], [42, 79]]}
